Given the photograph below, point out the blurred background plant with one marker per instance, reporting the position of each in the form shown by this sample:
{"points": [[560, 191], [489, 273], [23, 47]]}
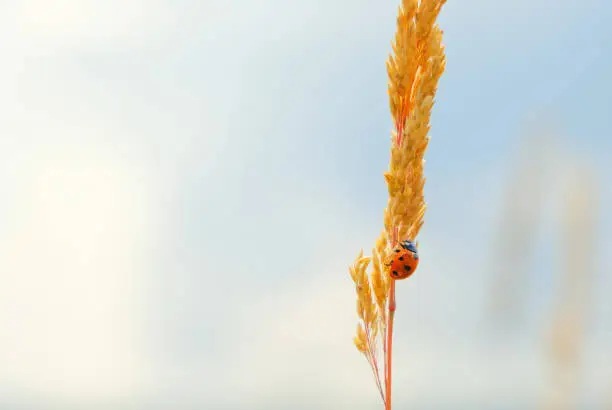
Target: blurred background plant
{"points": [[574, 267]]}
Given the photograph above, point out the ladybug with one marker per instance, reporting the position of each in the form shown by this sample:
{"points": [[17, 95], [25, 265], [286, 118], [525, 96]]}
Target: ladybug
{"points": [[404, 261]]}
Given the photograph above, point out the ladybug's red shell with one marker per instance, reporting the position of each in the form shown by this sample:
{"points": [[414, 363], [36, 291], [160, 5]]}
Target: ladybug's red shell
{"points": [[404, 262]]}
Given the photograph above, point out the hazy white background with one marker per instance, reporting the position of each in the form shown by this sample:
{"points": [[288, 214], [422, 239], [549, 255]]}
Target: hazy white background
{"points": [[184, 183]]}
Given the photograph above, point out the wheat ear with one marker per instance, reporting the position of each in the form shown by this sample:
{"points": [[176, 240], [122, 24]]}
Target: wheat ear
{"points": [[414, 68]]}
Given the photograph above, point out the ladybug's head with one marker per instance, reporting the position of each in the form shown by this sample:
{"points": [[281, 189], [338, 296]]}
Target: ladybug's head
{"points": [[409, 246]]}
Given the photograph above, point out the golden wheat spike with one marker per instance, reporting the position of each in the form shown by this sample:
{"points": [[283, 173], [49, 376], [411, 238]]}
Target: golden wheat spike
{"points": [[414, 68]]}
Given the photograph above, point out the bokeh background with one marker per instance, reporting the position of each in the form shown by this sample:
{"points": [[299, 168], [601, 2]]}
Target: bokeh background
{"points": [[183, 185]]}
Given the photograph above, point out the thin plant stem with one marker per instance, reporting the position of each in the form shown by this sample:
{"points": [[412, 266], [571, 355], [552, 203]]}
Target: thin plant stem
{"points": [[389, 343], [374, 364]]}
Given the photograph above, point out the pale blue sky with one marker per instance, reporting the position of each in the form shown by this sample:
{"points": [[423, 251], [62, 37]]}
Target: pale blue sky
{"points": [[184, 183]]}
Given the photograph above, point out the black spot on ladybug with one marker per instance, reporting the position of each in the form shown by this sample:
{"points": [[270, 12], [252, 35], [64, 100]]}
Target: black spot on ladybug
{"points": [[395, 273], [401, 258], [407, 267], [397, 251]]}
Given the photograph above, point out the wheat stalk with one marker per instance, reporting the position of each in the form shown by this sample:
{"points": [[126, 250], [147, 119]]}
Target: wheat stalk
{"points": [[414, 68]]}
